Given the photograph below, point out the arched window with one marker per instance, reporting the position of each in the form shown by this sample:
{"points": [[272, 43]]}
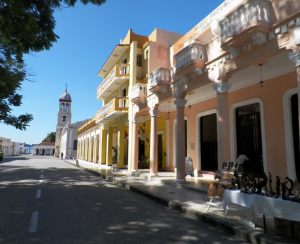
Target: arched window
{"points": [[75, 145], [67, 105], [62, 105], [64, 118]]}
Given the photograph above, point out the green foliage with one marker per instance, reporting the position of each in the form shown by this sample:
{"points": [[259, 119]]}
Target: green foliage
{"points": [[25, 26], [50, 137]]}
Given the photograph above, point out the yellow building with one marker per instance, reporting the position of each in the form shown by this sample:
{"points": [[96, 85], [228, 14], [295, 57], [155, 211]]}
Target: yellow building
{"points": [[114, 136]]}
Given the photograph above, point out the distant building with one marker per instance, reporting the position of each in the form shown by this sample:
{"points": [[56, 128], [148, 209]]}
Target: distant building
{"points": [[6, 146], [44, 148], [66, 137], [27, 149]]}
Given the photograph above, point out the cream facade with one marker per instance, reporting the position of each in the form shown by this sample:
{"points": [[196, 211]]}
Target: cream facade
{"points": [[44, 148], [228, 87]]}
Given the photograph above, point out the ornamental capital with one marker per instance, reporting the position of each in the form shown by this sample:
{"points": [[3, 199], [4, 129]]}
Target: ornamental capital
{"points": [[152, 101], [153, 112], [135, 119], [295, 57], [222, 87], [180, 102]]}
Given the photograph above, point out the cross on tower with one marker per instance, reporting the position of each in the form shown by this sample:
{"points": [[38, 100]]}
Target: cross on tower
{"points": [[66, 86]]}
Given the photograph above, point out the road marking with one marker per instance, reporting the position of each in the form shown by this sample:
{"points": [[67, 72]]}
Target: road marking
{"points": [[41, 181], [33, 222], [38, 193]]}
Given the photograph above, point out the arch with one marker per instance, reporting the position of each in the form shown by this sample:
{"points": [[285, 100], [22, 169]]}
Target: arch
{"points": [[75, 145], [289, 144], [63, 105], [263, 131], [64, 118], [198, 145]]}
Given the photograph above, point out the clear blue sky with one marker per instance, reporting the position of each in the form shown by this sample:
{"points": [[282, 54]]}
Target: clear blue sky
{"points": [[88, 34]]}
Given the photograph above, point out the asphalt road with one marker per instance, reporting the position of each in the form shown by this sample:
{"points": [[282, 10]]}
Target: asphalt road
{"points": [[45, 200]]}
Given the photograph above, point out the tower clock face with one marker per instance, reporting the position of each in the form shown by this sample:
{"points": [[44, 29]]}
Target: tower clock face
{"points": [[64, 110]]}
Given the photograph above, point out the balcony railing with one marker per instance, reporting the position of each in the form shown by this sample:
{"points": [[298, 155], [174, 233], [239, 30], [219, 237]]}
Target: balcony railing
{"points": [[159, 77], [117, 104], [253, 13], [192, 56], [139, 92], [120, 71]]}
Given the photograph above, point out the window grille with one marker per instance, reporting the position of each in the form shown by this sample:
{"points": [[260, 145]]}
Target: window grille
{"points": [[139, 60]]}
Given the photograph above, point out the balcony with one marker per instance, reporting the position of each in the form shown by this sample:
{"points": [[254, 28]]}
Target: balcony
{"points": [[190, 59], [113, 109], [159, 80], [251, 21], [118, 75], [138, 93]]}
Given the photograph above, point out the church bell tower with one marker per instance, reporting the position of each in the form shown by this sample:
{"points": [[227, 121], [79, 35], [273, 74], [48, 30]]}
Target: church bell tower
{"points": [[63, 118]]}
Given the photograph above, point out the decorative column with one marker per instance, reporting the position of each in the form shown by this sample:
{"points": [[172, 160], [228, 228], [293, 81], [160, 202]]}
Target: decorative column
{"points": [[180, 140], [121, 138], [153, 142], [78, 149], [103, 147], [109, 146], [222, 89], [135, 143], [97, 149], [85, 149], [90, 149]]}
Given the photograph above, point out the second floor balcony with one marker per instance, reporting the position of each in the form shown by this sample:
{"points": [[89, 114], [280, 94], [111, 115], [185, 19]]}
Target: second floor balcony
{"points": [[249, 22], [190, 59], [118, 75], [159, 80], [138, 93], [112, 110]]}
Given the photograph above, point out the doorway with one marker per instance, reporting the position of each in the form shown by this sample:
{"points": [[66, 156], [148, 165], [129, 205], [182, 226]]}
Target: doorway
{"points": [[295, 129], [248, 133], [209, 142], [159, 152]]}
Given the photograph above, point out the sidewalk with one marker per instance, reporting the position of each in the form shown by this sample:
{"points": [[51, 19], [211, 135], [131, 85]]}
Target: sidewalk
{"points": [[189, 197]]}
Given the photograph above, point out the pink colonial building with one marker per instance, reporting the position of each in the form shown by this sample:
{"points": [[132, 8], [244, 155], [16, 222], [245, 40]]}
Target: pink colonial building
{"points": [[228, 87]]}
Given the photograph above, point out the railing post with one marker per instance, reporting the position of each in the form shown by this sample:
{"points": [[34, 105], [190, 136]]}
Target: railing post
{"points": [[261, 11], [255, 13], [248, 13]]}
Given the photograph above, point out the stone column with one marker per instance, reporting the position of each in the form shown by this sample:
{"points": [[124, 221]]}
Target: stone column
{"points": [[103, 147], [222, 89], [180, 140], [121, 138], [153, 142], [90, 149], [109, 146], [135, 143], [78, 149]]}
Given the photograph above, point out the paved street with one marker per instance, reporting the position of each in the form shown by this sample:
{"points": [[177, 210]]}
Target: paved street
{"points": [[46, 200]]}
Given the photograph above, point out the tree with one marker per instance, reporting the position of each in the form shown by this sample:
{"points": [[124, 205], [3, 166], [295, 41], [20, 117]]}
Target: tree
{"points": [[50, 137], [25, 26]]}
